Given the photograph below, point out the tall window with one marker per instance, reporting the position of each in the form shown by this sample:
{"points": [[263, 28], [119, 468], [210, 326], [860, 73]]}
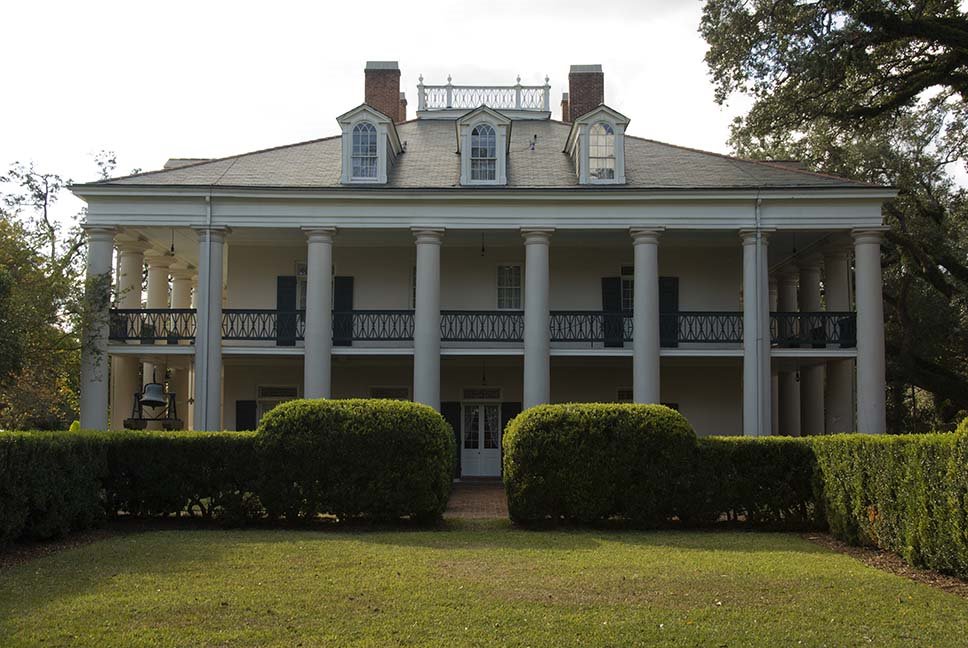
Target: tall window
{"points": [[601, 152], [628, 288], [509, 287], [483, 153], [364, 150]]}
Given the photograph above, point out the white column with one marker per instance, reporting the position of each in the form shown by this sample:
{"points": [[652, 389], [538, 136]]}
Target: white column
{"points": [[537, 318], [157, 297], [645, 317], [319, 313], [774, 376], [426, 321], [839, 389], [789, 380], [757, 418], [208, 330], [180, 384], [871, 415], [94, 338], [124, 369], [811, 377]]}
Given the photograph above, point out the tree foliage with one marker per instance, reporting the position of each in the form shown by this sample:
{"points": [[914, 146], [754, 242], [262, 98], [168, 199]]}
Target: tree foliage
{"points": [[873, 90]]}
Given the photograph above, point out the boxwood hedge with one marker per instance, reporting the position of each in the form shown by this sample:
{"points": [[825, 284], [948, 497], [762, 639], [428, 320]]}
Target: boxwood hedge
{"points": [[381, 459]]}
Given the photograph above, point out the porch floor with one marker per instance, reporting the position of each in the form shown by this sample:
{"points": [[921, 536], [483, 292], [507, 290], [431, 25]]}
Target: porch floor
{"points": [[477, 500]]}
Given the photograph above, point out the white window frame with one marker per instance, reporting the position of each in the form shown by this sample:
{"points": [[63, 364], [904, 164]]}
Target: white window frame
{"points": [[609, 131], [628, 280], [387, 144], [261, 402], [497, 285], [502, 129], [354, 154], [578, 145], [480, 126]]}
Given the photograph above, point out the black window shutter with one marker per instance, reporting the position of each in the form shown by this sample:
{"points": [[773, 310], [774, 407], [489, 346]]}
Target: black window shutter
{"points": [[668, 307], [245, 415], [613, 324], [286, 307], [450, 410], [342, 311], [508, 412]]}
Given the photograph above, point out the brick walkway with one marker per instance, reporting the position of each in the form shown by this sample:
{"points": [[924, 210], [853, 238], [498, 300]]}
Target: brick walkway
{"points": [[477, 500]]}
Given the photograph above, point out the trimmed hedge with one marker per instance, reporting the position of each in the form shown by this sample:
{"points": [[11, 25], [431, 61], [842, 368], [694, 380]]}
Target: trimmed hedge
{"points": [[589, 462], [381, 459], [907, 494]]}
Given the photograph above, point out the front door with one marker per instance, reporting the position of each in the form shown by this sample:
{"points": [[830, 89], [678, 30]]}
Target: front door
{"points": [[481, 449]]}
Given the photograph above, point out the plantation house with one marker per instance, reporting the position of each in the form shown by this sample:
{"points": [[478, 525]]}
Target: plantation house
{"points": [[484, 257]]}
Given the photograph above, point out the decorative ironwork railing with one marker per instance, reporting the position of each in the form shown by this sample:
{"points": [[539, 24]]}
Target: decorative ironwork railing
{"points": [[372, 325], [612, 329], [794, 330], [284, 327], [700, 327], [466, 97], [152, 324], [481, 326]]}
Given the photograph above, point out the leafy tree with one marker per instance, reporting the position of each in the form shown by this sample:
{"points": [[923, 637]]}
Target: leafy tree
{"points": [[875, 91]]}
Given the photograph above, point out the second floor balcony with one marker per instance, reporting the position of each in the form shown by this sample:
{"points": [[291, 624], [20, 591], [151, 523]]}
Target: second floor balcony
{"points": [[482, 328]]}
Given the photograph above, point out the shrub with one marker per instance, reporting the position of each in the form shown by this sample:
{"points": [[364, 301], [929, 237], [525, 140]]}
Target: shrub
{"points": [[382, 459], [589, 462], [49, 484], [766, 482], [907, 494], [209, 474]]}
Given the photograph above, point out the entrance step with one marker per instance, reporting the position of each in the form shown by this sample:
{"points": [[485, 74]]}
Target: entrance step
{"points": [[477, 498]]}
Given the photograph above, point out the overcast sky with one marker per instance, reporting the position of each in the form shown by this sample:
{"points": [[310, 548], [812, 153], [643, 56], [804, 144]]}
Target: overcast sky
{"points": [[156, 80]]}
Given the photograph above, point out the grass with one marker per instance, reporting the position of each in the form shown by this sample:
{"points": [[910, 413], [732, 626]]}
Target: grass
{"points": [[473, 584]]}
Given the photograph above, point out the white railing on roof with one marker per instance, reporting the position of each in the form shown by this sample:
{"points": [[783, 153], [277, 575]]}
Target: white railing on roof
{"points": [[515, 97]]}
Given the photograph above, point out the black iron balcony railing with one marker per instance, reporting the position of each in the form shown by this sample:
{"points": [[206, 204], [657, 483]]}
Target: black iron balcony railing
{"points": [[817, 330], [152, 324], [481, 326], [787, 330]]}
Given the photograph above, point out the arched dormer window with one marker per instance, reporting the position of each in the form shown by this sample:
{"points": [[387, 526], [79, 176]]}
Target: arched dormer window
{"points": [[483, 153], [364, 151], [601, 152]]}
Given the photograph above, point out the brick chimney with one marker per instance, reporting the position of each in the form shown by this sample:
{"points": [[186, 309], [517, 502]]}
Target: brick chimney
{"points": [[586, 89], [382, 87], [565, 113], [403, 107]]}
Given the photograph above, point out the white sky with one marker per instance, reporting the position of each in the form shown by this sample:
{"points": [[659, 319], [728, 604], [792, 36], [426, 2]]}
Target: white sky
{"points": [[212, 78]]}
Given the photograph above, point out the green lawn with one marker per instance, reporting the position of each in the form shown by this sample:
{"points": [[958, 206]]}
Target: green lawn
{"points": [[480, 584]]}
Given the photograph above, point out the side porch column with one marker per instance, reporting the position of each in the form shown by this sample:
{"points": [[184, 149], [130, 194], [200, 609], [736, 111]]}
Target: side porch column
{"points": [[157, 298], [208, 329], [124, 369], [181, 297], [774, 302], [871, 414], [811, 377], [839, 394], [789, 380], [537, 318], [757, 419], [319, 313], [426, 321], [94, 339], [645, 316]]}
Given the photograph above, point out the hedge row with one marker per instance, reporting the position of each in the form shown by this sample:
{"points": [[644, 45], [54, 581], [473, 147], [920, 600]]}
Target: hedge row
{"points": [[379, 459]]}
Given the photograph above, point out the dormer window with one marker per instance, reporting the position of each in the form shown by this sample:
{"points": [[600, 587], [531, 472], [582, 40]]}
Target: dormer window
{"points": [[483, 153], [596, 145], [364, 151], [601, 152], [370, 146], [482, 141]]}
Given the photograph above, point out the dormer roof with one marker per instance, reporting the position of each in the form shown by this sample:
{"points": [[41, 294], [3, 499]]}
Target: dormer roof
{"points": [[369, 113], [600, 113]]}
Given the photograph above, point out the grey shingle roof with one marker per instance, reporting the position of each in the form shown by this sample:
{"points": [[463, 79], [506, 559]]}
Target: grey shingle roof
{"points": [[431, 162]]}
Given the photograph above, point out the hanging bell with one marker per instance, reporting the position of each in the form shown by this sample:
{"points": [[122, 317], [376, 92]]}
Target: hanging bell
{"points": [[154, 395]]}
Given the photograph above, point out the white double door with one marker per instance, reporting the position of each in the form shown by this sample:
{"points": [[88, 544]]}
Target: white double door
{"points": [[481, 434]]}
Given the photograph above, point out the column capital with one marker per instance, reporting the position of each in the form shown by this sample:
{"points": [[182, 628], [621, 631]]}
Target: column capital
{"points": [[99, 232], [213, 233], [180, 271], [645, 234], [323, 234], [810, 262], [432, 235], [869, 235], [749, 235], [156, 259], [135, 246], [537, 234]]}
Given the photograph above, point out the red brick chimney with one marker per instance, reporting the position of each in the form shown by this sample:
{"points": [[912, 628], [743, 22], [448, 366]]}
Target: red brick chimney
{"points": [[586, 89], [565, 113], [382, 87]]}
